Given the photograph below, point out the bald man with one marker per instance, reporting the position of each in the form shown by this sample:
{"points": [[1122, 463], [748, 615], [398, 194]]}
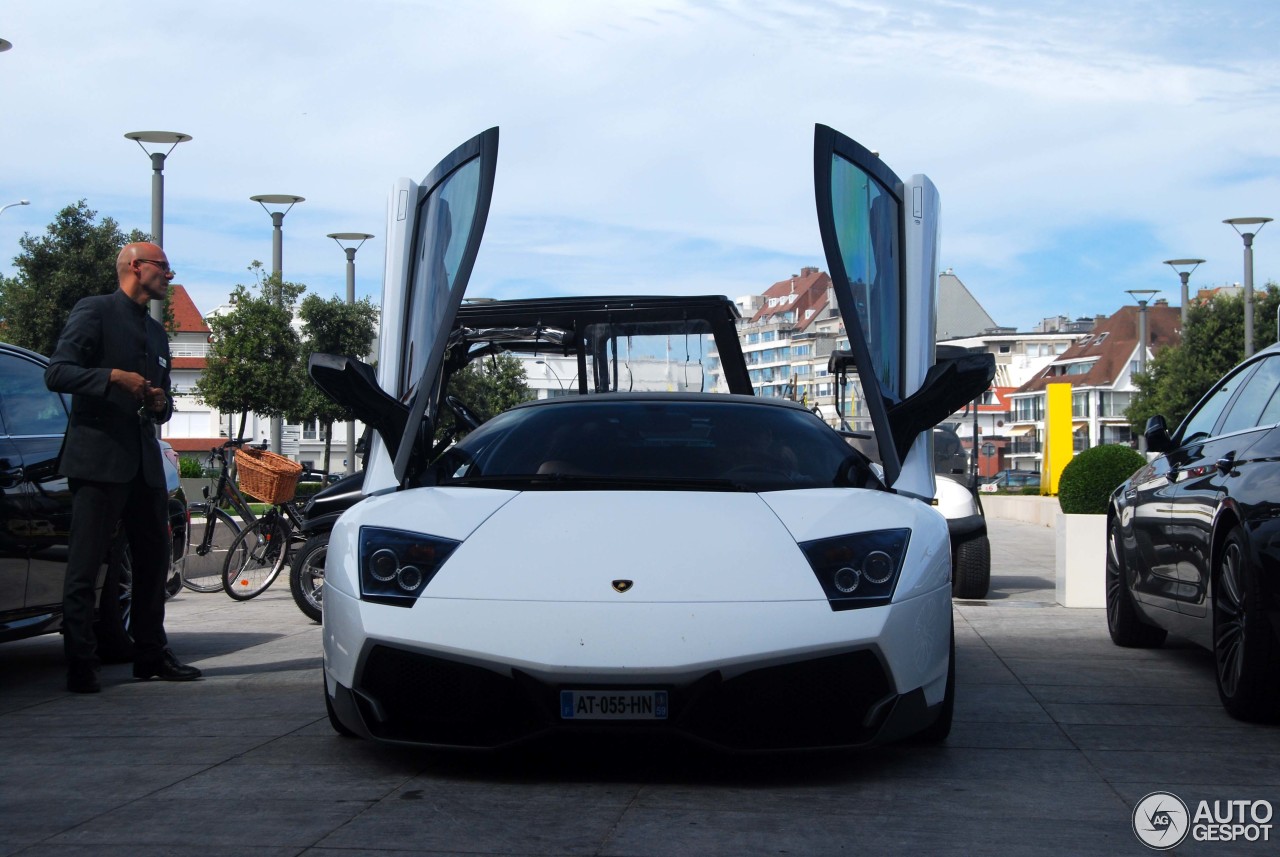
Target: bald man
{"points": [[113, 359]]}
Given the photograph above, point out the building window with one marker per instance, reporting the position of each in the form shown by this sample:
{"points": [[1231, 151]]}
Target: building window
{"points": [[311, 431]]}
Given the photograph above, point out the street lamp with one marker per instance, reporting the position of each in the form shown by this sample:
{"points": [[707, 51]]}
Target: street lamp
{"points": [[277, 262], [1185, 276], [1142, 296], [552, 371], [5, 44], [12, 204], [1247, 222], [338, 238], [160, 138]]}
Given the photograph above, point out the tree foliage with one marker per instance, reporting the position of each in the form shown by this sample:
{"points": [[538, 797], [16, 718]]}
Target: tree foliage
{"points": [[331, 326], [1212, 343], [488, 387], [254, 352], [74, 259]]}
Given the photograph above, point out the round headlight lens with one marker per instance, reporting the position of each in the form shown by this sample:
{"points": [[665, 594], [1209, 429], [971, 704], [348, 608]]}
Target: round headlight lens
{"points": [[409, 578], [846, 580], [383, 565], [877, 567]]}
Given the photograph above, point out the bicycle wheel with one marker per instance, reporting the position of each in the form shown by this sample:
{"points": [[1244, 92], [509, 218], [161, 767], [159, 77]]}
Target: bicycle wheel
{"points": [[203, 564], [256, 557]]}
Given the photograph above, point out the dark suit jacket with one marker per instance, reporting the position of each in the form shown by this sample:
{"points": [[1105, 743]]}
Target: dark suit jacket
{"points": [[106, 440]]}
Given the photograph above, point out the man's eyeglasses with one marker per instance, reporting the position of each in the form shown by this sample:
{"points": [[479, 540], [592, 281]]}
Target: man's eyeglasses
{"points": [[163, 266]]}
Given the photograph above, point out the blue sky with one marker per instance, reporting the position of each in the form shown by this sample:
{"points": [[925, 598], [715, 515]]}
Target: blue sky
{"points": [[662, 146]]}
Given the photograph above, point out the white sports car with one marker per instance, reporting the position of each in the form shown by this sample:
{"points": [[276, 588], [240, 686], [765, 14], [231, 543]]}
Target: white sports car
{"points": [[692, 560]]}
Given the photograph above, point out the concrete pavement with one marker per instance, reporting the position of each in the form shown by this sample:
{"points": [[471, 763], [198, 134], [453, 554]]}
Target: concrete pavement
{"points": [[1058, 735]]}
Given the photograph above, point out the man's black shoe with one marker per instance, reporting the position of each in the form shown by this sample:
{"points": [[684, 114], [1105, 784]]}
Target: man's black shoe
{"points": [[82, 678], [165, 668]]}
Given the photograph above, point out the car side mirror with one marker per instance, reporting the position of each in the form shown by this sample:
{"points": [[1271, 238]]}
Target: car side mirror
{"points": [[1157, 435]]}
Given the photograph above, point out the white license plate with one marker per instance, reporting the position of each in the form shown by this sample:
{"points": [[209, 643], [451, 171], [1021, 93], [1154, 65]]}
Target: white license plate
{"points": [[613, 705]]}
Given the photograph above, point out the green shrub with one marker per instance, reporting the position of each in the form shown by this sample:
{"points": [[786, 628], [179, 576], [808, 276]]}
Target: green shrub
{"points": [[189, 468], [1088, 479]]}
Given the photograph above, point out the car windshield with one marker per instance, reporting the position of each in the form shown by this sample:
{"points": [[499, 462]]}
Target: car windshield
{"points": [[663, 442]]}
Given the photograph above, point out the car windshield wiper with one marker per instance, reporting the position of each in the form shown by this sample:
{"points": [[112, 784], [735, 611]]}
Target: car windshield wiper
{"points": [[584, 481]]}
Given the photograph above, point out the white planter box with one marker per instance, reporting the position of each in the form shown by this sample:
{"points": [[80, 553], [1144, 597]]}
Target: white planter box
{"points": [[1081, 560]]}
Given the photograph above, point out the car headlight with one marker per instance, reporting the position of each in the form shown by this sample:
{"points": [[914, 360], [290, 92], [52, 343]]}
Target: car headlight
{"points": [[858, 570], [396, 566]]}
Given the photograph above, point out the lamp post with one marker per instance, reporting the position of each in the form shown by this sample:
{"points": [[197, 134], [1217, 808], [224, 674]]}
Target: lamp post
{"points": [[1185, 276], [338, 238], [1248, 233], [552, 371], [160, 138], [277, 263], [12, 204], [5, 44], [1142, 296]]}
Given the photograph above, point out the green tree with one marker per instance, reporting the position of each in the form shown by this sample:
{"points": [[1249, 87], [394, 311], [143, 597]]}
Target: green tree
{"points": [[331, 326], [1212, 343], [488, 387], [253, 352], [74, 259]]}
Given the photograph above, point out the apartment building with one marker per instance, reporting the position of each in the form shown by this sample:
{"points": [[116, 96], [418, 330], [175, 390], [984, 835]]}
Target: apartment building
{"points": [[1099, 366]]}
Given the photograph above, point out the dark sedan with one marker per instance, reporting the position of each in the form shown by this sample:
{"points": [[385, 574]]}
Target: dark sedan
{"points": [[35, 516], [1193, 538]]}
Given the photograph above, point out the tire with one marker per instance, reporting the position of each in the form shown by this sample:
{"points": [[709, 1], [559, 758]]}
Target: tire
{"points": [[255, 558], [306, 576], [971, 568], [1245, 653], [937, 731], [202, 566], [1123, 622], [115, 606], [338, 725]]}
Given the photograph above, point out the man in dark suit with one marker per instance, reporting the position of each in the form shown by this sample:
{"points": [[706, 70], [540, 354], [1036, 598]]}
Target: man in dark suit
{"points": [[113, 359]]}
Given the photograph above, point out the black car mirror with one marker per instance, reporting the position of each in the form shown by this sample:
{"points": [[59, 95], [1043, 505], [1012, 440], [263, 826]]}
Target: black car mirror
{"points": [[1157, 435]]}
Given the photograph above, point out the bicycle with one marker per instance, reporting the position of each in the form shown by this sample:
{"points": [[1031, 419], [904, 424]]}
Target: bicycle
{"points": [[260, 551], [203, 565]]}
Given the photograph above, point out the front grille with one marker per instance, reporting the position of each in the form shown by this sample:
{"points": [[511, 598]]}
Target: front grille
{"points": [[407, 696], [430, 700], [815, 703]]}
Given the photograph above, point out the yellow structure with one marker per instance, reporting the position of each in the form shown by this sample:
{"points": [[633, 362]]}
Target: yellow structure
{"points": [[1058, 442]]}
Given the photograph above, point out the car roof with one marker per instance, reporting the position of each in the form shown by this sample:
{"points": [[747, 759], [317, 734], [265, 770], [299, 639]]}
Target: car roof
{"points": [[661, 396]]}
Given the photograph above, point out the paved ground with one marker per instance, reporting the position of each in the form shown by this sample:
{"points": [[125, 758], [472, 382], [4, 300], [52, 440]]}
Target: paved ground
{"points": [[1058, 735]]}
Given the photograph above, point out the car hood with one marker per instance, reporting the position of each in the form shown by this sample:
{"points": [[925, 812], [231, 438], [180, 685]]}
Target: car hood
{"points": [[678, 546]]}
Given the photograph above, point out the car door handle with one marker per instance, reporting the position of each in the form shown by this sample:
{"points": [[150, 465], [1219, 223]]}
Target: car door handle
{"points": [[9, 476], [1227, 462]]}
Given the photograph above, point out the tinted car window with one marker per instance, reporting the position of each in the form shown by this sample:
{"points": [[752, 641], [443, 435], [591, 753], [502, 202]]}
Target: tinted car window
{"points": [[27, 407], [759, 447], [1202, 420], [1255, 397]]}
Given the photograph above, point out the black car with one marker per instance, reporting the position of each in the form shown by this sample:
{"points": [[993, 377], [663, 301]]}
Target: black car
{"points": [[35, 516], [1193, 538]]}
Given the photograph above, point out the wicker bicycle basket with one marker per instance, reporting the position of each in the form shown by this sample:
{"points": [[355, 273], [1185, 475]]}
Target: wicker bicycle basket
{"points": [[270, 477]]}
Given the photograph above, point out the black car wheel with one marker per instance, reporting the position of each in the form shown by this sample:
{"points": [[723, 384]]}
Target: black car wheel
{"points": [[1123, 622], [971, 568], [1244, 647], [115, 607], [306, 577]]}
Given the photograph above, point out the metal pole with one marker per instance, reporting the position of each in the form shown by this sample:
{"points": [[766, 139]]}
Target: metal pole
{"points": [[277, 267], [157, 219], [351, 299], [1185, 276], [1248, 294]]}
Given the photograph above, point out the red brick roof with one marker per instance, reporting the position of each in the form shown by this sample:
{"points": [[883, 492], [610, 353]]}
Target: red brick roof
{"points": [[1110, 345], [185, 315], [810, 289]]}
